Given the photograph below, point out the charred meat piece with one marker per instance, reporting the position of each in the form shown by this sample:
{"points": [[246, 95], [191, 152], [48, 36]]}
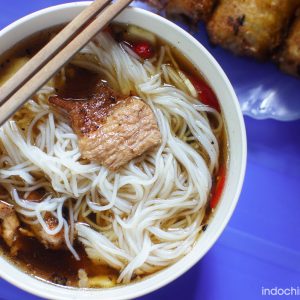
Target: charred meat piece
{"points": [[193, 10], [54, 242], [6, 209], [111, 129], [289, 57], [9, 223], [251, 27], [159, 4]]}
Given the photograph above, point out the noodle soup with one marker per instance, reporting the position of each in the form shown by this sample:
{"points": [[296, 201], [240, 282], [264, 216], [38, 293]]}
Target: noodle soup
{"points": [[76, 222]]}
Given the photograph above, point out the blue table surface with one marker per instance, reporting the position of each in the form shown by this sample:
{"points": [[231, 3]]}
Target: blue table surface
{"points": [[261, 246]]}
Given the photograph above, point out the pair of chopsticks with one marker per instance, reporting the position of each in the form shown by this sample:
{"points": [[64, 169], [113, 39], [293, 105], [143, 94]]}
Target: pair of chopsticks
{"points": [[35, 73]]}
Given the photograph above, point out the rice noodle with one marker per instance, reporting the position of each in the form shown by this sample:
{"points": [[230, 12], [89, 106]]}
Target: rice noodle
{"points": [[149, 213]]}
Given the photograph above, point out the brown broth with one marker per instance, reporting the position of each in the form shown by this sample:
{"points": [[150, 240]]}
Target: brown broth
{"points": [[56, 266], [60, 267], [27, 48]]}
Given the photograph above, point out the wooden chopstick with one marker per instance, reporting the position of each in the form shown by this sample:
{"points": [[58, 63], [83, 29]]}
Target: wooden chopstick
{"points": [[16, 94], [55, 45]]}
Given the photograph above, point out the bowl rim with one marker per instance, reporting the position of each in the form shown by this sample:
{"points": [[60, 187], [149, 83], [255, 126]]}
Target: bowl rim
{"points": [[44, 289]]}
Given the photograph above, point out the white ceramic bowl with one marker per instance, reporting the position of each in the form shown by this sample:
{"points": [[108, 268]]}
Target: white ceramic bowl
{"points": [[200, 57]]}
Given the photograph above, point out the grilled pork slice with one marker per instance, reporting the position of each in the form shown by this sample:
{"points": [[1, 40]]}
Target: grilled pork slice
{"points": [[111, 129], [159, 4], [289, 57], [194, 10], [251, 27], [6, 209], [54, 242], [9, 223]]}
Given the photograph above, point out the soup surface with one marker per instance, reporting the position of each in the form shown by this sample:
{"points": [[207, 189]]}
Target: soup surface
{"points": [[76, 216]]}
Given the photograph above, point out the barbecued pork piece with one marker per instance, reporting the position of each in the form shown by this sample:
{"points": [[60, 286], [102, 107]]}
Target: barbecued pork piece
{"points": [[9, 223], [159, 4], [194, 10], [251, 27], [6, 209], [54, 242], [289, 57], [111, 129]]}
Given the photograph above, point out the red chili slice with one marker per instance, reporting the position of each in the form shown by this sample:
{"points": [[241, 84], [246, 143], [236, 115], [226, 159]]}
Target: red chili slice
{"points": [[205, 93], [143, 50], [218, 188]]}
